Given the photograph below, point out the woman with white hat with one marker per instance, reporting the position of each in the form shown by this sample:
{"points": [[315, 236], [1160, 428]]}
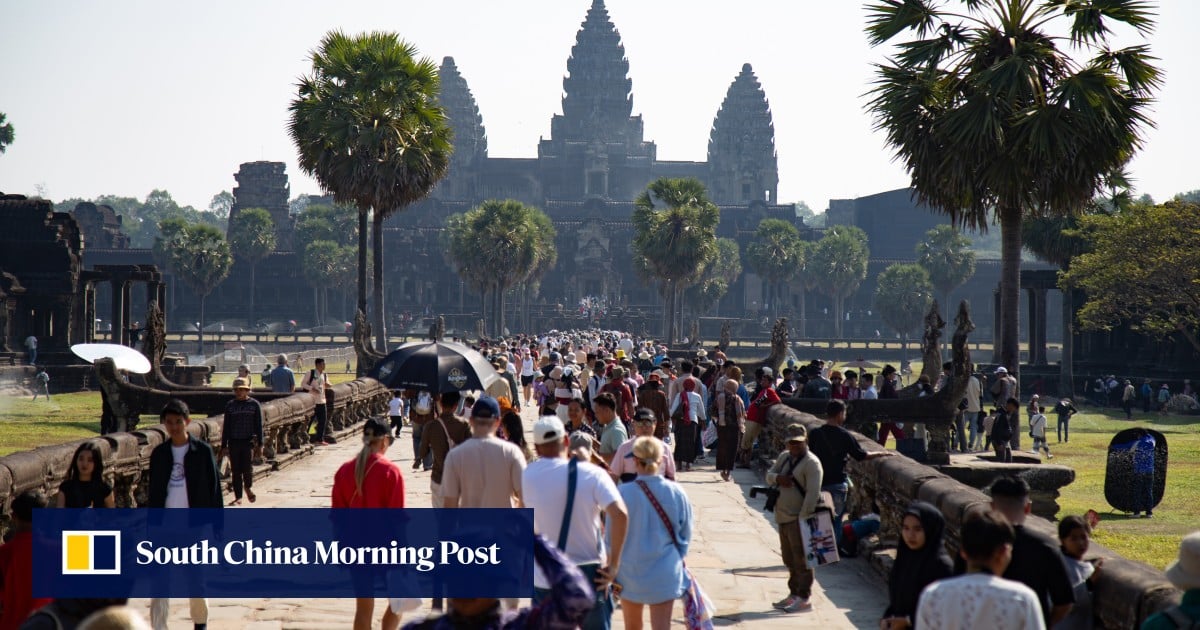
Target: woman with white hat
{"points": [[1184, 573]]}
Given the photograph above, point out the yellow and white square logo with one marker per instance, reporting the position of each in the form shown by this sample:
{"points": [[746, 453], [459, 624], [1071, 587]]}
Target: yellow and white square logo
{"points": [[91, 552]]}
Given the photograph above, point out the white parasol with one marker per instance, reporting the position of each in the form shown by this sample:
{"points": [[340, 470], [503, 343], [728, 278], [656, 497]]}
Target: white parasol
{"points": [[124, 357]]}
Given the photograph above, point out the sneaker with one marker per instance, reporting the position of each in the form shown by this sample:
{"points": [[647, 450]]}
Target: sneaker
{"points": [[1149, 514], [800, 604], [785, 602], [1049, 456]]}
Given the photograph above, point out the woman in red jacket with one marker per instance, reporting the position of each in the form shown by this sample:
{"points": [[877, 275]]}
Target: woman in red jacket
{"points": [[370, 480]]}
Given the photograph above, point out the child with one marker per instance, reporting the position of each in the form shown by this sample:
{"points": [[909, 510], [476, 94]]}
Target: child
{"points": [[16, 563], [1037, 431], [396, 412], [42, 384], [1074, 535], [183, 474], [85, 486]]}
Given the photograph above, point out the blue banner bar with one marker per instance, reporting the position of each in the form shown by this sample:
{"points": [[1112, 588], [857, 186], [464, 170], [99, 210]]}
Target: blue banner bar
{"points": [[283, 552]]}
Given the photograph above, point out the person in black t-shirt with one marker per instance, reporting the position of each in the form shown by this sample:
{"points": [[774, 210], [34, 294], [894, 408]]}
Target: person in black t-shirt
{"points": [[84, 486], [1036, 561], [832, 444]]}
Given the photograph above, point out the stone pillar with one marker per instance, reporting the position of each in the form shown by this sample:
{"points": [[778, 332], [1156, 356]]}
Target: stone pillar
{"points": [[161, 292], [125, 308], [119, 285], [89, 312], [1032, 323], [1038, 332], [996, 325]]}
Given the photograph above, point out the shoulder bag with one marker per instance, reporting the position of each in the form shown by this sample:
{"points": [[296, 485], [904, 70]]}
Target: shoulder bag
{"points": [[697, 607]]}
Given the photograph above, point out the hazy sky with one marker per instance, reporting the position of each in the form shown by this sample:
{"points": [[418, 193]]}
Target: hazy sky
{"points": [[122, 97]]}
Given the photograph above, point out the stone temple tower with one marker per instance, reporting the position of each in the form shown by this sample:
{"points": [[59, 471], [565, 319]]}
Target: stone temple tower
{"points": [[470, 138], [596, 148], [741, 147], [265, 185]]}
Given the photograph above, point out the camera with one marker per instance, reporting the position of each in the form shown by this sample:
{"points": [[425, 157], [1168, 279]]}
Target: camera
{"points": [[772, 493]]}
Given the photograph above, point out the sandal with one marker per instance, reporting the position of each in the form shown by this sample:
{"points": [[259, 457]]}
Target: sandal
{"points": [[250, 495], [236, 502]]}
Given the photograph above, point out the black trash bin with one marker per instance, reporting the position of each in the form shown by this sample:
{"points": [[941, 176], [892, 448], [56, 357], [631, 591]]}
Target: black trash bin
{"points": [[1127, 480]]}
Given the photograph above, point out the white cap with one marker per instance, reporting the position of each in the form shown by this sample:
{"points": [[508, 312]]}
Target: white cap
{"points": [[1002, 370], [548, 429]]}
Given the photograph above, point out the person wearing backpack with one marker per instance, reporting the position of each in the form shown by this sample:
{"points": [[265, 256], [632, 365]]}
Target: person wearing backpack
{"points": [[41, 384], [1184, 573], [1002, 430], [317, 383]]}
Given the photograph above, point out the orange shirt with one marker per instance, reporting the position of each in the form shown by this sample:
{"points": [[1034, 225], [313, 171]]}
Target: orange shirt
{"points": [[383, 485]]}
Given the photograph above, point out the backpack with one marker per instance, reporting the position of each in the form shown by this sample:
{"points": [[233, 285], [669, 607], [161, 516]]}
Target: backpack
{"points": [[424, 404], [1181, 619]]}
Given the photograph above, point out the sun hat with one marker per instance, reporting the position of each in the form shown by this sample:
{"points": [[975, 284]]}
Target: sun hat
{"points": [[548, 429], [240, 383], [1184, 573]]}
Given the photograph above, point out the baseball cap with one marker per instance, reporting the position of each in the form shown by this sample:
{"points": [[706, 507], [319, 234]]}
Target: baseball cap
{"points": [[486, 407], [548, 429], [241, 383], [1001, 370], [797, 433], [768, 372], [375, 427]]}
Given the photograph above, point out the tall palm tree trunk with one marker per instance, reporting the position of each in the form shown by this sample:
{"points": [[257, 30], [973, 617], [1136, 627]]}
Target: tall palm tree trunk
{"points": [[837, 315], [1010, 290], [200, 332], [362, 260], [380, 322], [250, 319], [317, 305], [802, 326]]}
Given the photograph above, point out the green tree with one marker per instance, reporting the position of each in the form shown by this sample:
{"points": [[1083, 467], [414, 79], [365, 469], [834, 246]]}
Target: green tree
{"points": [[720, 272], [903, 294], [499, 245], [319, 222], [1192, 196], [252, 238], [805, 281], [774, 254], [6, 133], [675, 236], [989, 110], [946, 255], [221, 204], [322, 270], [1143, 269], [838, 265], [368, 127], [197, 254]]}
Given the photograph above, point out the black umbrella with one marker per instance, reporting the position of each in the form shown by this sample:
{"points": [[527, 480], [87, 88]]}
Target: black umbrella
{"points": [[435, 366]]}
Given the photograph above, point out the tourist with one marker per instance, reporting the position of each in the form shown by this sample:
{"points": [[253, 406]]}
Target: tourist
{"points": [[514, 430], [484, 471], [577, 421], [623, 468], [651, 396], [440, 435], [527, 374], [686, 414], [567, 498], [505, 386], [972, 414], [283, 379], [888, 392], [1164, 397], [921, 560], [612, 428], [1142, 483], [832, 444], [316, 382], [41, 384], [1147, 395], [1037, 431], [31, 348], [619, 389], [242, 438], [421, 411], [820, 387], [370, 480], [84, 486], [757, 412], [660, 530], [1006, 387], [566, 389], [16, 562], [730, 415], [853, 392], [396, 412], [567, 605], [1128, 397], [1036, 561], [1064, 410], [796, 473], [868, 387], [980, 598], [1184, 573], [1074, 537], [1000, 434], [183, 474]]}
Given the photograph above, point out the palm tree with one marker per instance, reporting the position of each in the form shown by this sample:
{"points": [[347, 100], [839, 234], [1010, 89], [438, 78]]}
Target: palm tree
{"points": [[903, 294], [368, 127], [198, 255], [947, 257], [838, 265], [320, 269], [498, 245], [6, 133], [720, 272], [252, 238], [805, 281], [989, 113], [774, 255], [675, 235]]}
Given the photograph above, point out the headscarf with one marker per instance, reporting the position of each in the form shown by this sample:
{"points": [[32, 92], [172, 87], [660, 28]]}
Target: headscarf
{"points": [[914, 570], [689, 385]]}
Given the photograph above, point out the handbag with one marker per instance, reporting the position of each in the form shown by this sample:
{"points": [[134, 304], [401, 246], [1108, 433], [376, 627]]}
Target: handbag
{"points": [[698, 608]]}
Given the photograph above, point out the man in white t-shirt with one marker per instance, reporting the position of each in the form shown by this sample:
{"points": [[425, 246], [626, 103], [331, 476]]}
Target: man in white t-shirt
{"points": [[980, 598], [317, 384], [546, 484]]}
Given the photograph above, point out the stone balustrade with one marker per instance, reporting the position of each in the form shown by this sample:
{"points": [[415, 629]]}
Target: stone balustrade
{"points": [[127, 455], [1125, 595]]}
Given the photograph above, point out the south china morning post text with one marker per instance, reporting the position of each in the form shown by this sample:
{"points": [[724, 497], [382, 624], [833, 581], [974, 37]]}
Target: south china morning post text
{"points": [[283, 552]]}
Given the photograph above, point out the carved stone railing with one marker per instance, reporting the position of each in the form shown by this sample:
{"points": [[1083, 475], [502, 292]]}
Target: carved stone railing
{"points": [[1127, 591], [127, 454]]}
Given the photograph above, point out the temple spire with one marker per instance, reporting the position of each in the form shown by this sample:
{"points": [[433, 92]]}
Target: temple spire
{"points": [[598, 97], [741, 147], [470, 137]]}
